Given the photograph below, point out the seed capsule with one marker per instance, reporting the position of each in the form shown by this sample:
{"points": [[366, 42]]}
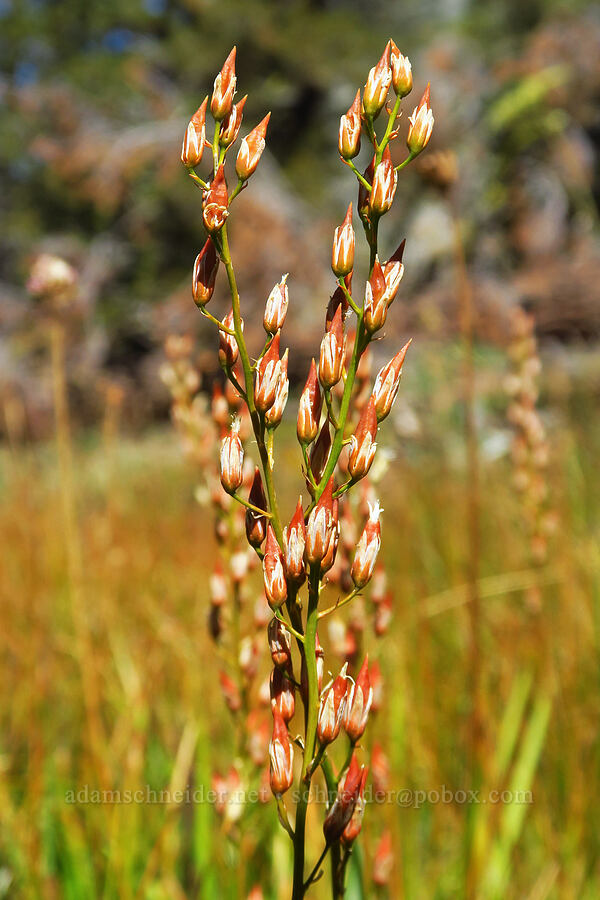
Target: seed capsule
{"points": [[342, 254], [268, 374], [281, 755], [332, 709], [421, 125], [358, 704], [274, 577], [256, 525], [216, 201], [367, 549], [362, 442], [309, 411], [387, 384], [402, 80], [206, 267], [349, 133], [276, 307], [385, 181], [232, 459], [193, 140], [344, 804], [251, 150], [224, 89], [232, 124], [228, 346], [294, 539], [378, 84], [331, 358], [375, 309]]}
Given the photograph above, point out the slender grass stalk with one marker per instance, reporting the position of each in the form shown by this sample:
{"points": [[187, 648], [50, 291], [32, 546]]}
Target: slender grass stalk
{"points": [[84, 651]]}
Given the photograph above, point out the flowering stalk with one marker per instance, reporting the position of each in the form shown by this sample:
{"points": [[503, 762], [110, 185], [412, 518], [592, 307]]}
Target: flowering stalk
{"points": [[312, 548]]}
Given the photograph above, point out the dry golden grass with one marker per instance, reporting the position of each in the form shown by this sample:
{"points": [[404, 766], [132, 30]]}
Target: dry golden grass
{"points": [[127, 696]]}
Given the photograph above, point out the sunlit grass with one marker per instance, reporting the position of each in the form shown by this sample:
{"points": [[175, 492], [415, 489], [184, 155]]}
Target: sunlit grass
{"points": [[147, 549]]}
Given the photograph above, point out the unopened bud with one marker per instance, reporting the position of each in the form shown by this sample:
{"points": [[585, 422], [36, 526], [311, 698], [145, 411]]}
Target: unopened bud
{"points": [[380, 770], [362, 206], [268, 374], [402, 79], [217, 585], [256, 525], [377, 685], [385, 181], [228, 346], [375, 308], [338, 298], [353, 828], [383, 615], [378, 84], [205, 273], [393, 270], [349, 133], [276, 307], [331, 357], [421, 125], [344, 804], [280, 642], [358, 704], [215, 203], [230, 692], [342, 254], [294, 539], [232, 459], [282, 694], [383, 861], [367, 548], [362, 442], [309, 412], [274, 576], [332, 709], [332, 542], [321, 524], [251, 150], [275, 412], [232, 124], [281, 755], [320, 452], [224, 89], [193, 141], [387, 384]]}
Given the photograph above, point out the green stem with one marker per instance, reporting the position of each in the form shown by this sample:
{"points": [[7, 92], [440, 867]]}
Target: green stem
{"points": [[313, 875], [290, 628], [248, 505], [339, 604], [237, 189], [335, 854], [390, 125], [215, 321], [405, 162], [360, 177], [330, 412], [312, 709], [215, 148], [249, 382], [360, 343], [201, 184], [348, 296], [338, 441]]}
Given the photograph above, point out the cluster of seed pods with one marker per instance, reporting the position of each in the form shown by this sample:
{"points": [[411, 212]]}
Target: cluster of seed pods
{"points": [[530, 450], [322, 558]]}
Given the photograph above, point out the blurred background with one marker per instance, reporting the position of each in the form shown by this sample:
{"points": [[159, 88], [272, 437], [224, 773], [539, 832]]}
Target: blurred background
{"points": [[490, 662]]}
